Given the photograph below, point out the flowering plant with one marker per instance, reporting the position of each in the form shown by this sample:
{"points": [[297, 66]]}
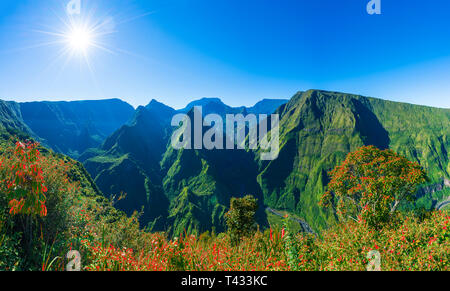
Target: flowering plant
{"points": [[370, 184], [23, 180]]}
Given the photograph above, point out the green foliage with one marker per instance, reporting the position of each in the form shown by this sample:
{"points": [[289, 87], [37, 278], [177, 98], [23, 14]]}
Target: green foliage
{"points": [[241, 218], [110, 241], [290, 246], [34, 239], [405, 245], [409, 244]]}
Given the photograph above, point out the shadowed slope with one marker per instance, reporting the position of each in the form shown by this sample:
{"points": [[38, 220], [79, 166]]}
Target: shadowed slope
{"points": [[73, 127]]}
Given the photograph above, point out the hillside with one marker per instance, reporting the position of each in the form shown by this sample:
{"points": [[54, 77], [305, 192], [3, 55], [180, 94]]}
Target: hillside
{"points": [[318, 129], [178, 189], [11, 121], [74, 217], [190, 189], [128, 162], [73, 127]]}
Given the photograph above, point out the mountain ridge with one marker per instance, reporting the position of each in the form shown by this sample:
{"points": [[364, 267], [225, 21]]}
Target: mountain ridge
{"points": [[190, 189], [163, 174], [73, 127], [317, 129]]}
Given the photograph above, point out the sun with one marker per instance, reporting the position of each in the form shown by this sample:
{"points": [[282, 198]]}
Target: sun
{"points": [[80, 36], [79, 39]]}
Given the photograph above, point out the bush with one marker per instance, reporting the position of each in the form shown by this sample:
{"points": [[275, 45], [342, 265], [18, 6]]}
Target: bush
{"points": [[240, 218], [34, 190], [48, 205], [370, 185]]}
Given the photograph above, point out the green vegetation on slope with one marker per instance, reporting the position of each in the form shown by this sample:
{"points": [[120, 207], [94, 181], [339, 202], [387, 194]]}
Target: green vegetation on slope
{"points": [[129, 162], [37, 237], [180, 190], [79, 219], [318, 129], [276, 221]]}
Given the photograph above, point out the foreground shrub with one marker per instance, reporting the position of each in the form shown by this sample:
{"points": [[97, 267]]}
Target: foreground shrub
{"points": [[370, 185], [240, 218], [44, 201], [412, 245], [34, 190]]}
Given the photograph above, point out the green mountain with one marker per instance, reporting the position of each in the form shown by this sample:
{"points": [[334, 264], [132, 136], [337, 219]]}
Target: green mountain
{"points": [[73, 127], [178, 189], [207, 180], [190, 189], [129, 162], [318, 129]]}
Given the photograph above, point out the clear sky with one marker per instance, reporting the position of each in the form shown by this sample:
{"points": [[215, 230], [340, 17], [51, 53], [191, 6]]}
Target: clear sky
{"points": [[239, 50]]}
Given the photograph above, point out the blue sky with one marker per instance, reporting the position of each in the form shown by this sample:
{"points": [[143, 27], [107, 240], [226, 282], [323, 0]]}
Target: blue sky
{"points": [[239, 50]]}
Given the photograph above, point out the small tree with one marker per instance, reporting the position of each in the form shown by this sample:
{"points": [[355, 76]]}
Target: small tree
{"points": [[241, 218], [35, 190], [370, 184], [23, 181]]}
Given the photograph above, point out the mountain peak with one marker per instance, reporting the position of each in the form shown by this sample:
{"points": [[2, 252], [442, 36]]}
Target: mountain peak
{"points": [[204, 102], [155, 104], [154, 109], [210, 99], [267, 106]]}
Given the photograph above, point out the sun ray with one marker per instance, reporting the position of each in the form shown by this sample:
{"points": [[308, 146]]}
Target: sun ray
{"points": [[92, 72], [103, 48], [59, 34], [136, 17], [39, 45], [62, 53]]}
